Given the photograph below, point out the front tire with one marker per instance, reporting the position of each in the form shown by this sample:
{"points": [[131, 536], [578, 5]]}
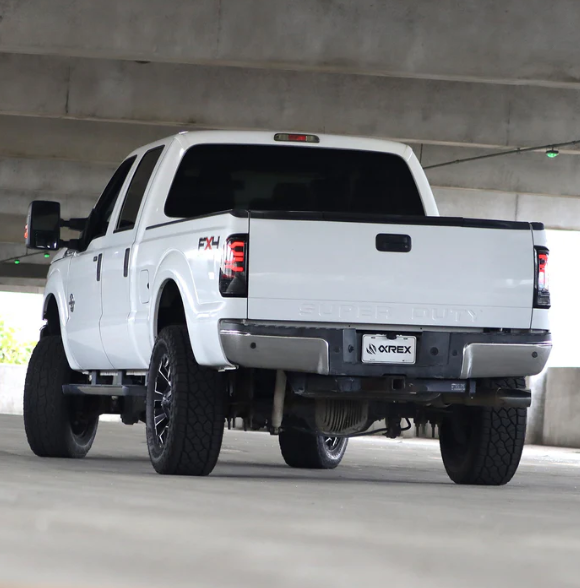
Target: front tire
{"points": [[56, 425], [482, 445], [308, 451], [185, 408]]}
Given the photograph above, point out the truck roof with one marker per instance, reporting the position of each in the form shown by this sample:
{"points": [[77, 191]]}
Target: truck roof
{"points": [[190, 138]]}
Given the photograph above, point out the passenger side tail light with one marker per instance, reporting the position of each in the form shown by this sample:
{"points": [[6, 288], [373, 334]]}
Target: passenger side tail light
{"points": [[234, 267], [542, 285]]}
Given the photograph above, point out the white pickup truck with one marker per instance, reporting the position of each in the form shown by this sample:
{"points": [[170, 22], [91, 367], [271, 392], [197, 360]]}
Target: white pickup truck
{"points": [[302, 283]]}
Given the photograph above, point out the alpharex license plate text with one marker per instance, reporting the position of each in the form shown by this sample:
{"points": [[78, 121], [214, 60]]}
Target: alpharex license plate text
{"points": [[381, 349]]}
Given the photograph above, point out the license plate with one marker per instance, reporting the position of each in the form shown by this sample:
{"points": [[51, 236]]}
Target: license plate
{"points": [[380, 349]]}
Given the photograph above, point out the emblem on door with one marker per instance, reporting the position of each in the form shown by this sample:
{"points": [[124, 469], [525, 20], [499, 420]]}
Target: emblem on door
{"points": [[71, 303]]}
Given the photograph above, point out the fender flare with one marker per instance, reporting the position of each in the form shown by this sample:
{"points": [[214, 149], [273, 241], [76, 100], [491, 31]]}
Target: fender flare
{"points": [[174, 267], [55, 288]]}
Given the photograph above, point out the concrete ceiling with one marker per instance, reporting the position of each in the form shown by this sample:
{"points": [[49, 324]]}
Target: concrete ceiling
{"points": [[82, 83]]}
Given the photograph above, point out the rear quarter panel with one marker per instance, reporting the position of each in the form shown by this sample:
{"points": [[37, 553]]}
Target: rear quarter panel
{"points": [[180, 252]]}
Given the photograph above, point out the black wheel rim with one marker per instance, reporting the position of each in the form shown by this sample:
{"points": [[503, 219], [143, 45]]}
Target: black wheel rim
{"points": [[162, 401], [83, 416], [80, 425], [333, 444]]}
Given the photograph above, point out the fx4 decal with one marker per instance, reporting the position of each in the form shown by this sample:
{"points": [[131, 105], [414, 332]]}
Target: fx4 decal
{"points": [[209, 243]]}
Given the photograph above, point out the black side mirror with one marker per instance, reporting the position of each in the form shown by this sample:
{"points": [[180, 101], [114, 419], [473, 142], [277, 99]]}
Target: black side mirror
{"points": [[43, 223]]}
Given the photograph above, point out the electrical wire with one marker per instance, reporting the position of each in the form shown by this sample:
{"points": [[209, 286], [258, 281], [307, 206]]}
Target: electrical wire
{"points": [[21, 257], [500, 153]]}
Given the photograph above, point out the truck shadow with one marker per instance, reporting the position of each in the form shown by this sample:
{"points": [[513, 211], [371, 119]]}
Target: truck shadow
{"points": [[139, 466]]}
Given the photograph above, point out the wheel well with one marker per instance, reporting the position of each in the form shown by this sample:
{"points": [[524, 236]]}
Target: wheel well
{"points": [[51, 317], [170, 310]]}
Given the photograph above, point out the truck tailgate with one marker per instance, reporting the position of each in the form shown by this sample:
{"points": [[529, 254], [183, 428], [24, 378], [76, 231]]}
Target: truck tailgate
{"points": [[456, 273]]}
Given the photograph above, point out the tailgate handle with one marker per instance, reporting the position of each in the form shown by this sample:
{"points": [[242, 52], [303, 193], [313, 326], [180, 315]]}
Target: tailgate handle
{"points": [[395, 243]]}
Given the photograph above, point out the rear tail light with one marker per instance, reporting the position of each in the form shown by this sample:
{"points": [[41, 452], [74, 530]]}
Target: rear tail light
{"points": [[234, 267], [542, 286]]}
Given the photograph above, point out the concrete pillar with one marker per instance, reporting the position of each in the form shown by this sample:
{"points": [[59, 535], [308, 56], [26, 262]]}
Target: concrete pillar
{"points": [[562, 408]]}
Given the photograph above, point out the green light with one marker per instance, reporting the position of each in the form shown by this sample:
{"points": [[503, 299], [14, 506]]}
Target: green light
{"points": [[47, 255], [16, 261], [551, 153]]}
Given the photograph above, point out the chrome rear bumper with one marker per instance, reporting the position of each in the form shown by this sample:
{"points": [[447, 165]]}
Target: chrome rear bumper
{"points": [[292, 354], [329, 351], [488, 360]]}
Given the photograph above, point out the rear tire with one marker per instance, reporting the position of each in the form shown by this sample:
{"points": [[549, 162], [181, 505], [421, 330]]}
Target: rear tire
{"points": [[185, 408], [307, 451], [56, 425], [482, 445]]}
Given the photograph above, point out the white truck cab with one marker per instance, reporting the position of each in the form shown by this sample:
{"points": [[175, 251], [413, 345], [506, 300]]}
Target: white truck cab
{"points": [[304, 283]]}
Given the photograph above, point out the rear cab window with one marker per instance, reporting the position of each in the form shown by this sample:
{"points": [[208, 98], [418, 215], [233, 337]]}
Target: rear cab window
{"points": [[215, 178]]}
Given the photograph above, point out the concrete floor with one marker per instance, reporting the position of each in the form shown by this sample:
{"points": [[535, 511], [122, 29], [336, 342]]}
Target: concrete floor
{"points": [[388, 515]]}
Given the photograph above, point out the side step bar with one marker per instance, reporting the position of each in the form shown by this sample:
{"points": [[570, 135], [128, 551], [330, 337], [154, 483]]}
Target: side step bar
{"points": [[105, 390]]}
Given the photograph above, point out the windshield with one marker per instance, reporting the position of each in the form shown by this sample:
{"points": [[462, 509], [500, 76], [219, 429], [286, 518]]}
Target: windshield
{"points": [[214, 178]]}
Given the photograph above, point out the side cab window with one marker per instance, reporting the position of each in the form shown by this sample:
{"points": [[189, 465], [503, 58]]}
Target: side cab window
{"points": [[136, 191], [98, 221]]}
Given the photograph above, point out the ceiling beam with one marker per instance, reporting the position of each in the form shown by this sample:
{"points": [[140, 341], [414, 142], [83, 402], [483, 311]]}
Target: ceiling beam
{"points": [[23, 271], [418, 110], [486, 41], [98, 142]]}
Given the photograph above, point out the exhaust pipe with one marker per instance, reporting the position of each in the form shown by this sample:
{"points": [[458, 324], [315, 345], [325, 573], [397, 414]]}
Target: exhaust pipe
{"points": [[278, 406], [502, 397]]}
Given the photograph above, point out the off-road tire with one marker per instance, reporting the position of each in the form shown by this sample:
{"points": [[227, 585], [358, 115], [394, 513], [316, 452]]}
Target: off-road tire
{"points": [[514, 383], [197, 410], [483, 446], [54, 423], [307, 451]]}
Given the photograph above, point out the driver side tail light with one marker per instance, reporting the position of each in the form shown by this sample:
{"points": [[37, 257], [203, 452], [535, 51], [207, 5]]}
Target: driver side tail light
{"points": [[234, 267]]}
